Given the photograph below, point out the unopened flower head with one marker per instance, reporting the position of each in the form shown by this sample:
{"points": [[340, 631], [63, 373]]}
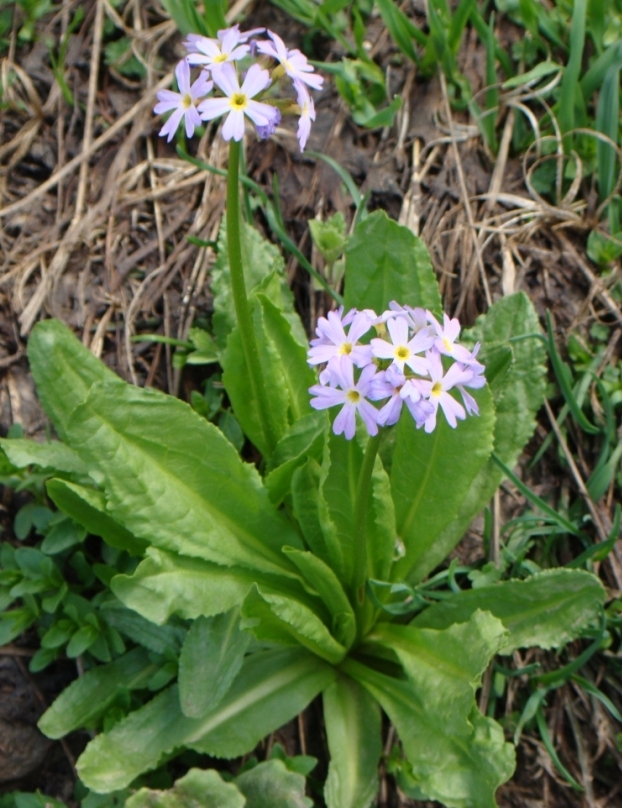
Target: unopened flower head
{"points": [[403, 371], [235, 65]]}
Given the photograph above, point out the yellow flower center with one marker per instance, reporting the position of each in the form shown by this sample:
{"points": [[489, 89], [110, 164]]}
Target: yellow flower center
{"points": [[447, 345], [239, 101], [437, 389], [353, 396], [222, 57], [402, 352], [186, 101], [345, 348]]}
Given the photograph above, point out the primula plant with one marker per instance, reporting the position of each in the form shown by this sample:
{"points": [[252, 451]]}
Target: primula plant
{"points": [[307, 571]]}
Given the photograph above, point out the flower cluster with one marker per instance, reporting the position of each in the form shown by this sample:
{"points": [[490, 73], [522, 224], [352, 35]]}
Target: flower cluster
{"points": [[413, 361], [219, 63]]}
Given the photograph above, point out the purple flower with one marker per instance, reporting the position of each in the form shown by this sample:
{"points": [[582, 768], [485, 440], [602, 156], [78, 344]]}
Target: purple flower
{"points": [[416, 318], [184, 103], [238, 101], [388, 384], [227, 47], [348, 395], [446, 336], [436, 391], [264, 132], [469, 402], [402, 350], [294, 62], [474, 378], [333, 342], [307, 113]]}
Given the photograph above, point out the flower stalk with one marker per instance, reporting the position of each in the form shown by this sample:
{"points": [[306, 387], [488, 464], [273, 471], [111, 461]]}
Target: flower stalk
{"points": [[240, 299]]}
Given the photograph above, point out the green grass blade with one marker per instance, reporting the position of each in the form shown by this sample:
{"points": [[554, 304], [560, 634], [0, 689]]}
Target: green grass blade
{"points": [[598, 694], [458, 22], [546, 740], [567, 100], [595, 76], [564, 379], [608, 122], [601, 550], [401, 29], [535, 499]]}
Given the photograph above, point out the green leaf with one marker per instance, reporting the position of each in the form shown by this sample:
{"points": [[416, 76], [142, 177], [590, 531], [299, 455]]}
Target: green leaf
{"points": [[271, 688], [50, 455], [305, 438], [287, 375], [511, 320], [165, 584], [63, 370], [402, 29], [548, 610], [64, 534], [87, 507], [236, 380], [538, 72], [260, 259], [570, 88], [353, 732], [14, 622], [195, 790], [277, 618], [210, 659], [340, 473], [89, 696], [385, 262], [272, 785], [382, 532], [602, 248], [324, 501], [205, 351], [311, 513], [427, 482], [298, 375], [327, 585], [172, 478], [81, 641], [456, 755], [607, 122], [160, 639]]}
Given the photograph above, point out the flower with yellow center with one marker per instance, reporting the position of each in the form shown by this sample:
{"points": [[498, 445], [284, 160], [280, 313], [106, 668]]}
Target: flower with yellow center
{"points": [[401, 350], [333, 342], [294, 62], [184, 104], [239, 100], [350, 396], [228, 47], [436, 390], [446, 336]]}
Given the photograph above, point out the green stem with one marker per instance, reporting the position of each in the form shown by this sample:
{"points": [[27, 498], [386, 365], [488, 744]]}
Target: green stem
{"points": [[240, 299], [363, 495]]}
